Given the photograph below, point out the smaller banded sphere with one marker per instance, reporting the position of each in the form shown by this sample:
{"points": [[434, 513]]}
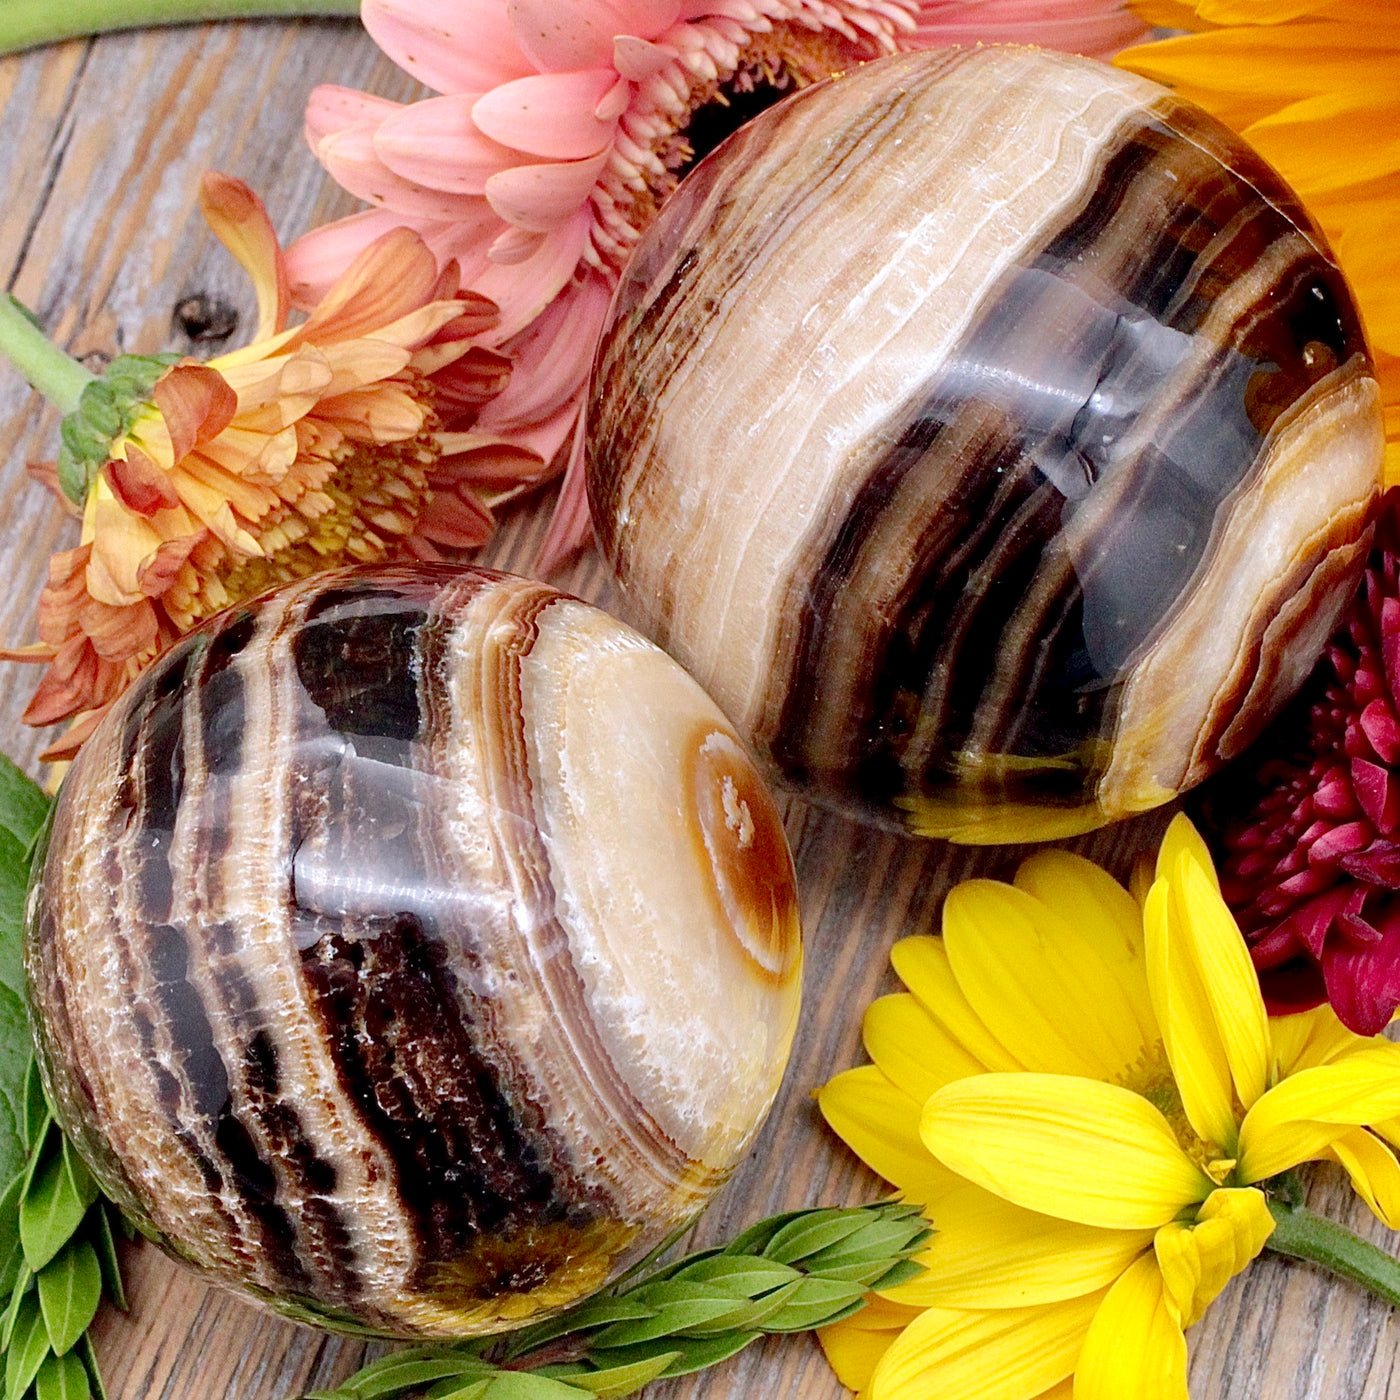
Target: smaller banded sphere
{"points": [[415, 949], [993, 435]]}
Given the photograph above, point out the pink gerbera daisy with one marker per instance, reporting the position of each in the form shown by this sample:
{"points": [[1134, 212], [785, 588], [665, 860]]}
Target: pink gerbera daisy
{"points": [[561, 127]]}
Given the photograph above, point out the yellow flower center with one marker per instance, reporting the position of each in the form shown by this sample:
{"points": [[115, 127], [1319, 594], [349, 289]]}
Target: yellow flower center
{"points": [[1151, 1076]]}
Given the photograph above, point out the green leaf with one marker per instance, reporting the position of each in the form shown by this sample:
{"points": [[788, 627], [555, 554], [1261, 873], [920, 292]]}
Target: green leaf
{"points": [[616, 1381], [737, 1276], [28, 1347], [806, 1236], [62, 1378], [11, 1255], [878, 1239], [54, 1205], [903, 1272], [671, 1317], [89, 1354], [70, 1289], [106, 1247], [813, 1303], [457, 1389], [37, 1113], [597, 1312], [23, 804], [406, 1371], [23, 1284], [530, 1385], [692, 1353]]}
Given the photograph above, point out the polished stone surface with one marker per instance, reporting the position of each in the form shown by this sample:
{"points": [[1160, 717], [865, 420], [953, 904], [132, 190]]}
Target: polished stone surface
{"points": [[416, 947], [993, 435]]}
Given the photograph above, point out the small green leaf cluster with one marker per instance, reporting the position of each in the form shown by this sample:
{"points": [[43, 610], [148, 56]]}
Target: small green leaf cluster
{"points": [[789, 1273], [108, 408], [59, 1254], [56, 1246]]}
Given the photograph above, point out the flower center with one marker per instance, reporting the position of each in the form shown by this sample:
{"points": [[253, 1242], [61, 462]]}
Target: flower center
{"points": [[713, 87], [1151, 1076], [771, 66]]}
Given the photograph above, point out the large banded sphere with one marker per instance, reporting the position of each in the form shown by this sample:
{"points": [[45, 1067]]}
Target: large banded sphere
{"points": [[415, 949], [993, 436]]}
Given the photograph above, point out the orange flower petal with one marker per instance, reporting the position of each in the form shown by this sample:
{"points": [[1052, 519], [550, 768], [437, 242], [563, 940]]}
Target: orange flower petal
{"points": [[196, 403], [240, 223]]}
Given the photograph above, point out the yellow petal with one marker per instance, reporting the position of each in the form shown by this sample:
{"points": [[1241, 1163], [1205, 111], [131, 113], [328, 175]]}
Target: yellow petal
{"points": [[1105, 916], [1036, 984], [1182, 839], [1198, 1260], [1076, 1149], [1334, 139], [1204, 989], [1296, 1120], [1374, 1173], [923, 966], [1134, 1347], [879, 1122], [854, 1347], [1011, 1353], [987, 1253], [1309, 1038], [1218, 949], [912, 1049]]}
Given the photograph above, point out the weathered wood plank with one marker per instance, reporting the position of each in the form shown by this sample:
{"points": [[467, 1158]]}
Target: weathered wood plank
{"points": [[101, 148]]}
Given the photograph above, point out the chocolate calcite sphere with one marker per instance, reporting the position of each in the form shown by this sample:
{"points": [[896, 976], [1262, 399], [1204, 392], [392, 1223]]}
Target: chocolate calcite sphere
{"points": [[415, 949], [993, 436]]}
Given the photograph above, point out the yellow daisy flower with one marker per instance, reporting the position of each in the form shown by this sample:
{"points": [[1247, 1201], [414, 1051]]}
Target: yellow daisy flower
{"points": [[1086, 1092], [1314, 86]]}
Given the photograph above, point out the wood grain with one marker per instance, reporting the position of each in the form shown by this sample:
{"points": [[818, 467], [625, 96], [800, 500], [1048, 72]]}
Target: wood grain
{"points": [[101, 147]]}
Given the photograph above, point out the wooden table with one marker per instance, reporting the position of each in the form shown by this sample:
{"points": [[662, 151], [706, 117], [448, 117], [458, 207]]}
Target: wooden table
{"points": [[102, 144]]}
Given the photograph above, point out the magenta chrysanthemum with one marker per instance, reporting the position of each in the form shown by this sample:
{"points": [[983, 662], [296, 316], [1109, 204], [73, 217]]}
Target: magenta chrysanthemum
{"points": [[561, 126], [1312, 870]]}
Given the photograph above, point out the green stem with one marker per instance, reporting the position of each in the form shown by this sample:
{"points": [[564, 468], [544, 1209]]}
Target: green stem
{"points": [[58, 377], [1303, 1235], [25, 23]]}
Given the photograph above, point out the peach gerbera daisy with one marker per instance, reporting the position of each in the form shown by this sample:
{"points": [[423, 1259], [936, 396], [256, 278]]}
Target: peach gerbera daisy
{"points": [[562, 125], [315, 445]]}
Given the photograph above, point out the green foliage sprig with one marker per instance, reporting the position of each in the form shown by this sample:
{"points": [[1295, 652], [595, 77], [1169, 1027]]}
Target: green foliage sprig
{"points": [[57, 1251], [789, 1273]]}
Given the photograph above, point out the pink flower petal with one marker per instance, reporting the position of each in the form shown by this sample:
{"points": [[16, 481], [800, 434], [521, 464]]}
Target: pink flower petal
{"points": [[330, 108], [318, 258], [639, 59], [648, 18], [350, 157], [1098, 28], [436, 144], [515, 245], [571, 525], [541, 197], [451, 45], [524, 290], [550, 114], [614, 102], [552, 358], [558, 37]]}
